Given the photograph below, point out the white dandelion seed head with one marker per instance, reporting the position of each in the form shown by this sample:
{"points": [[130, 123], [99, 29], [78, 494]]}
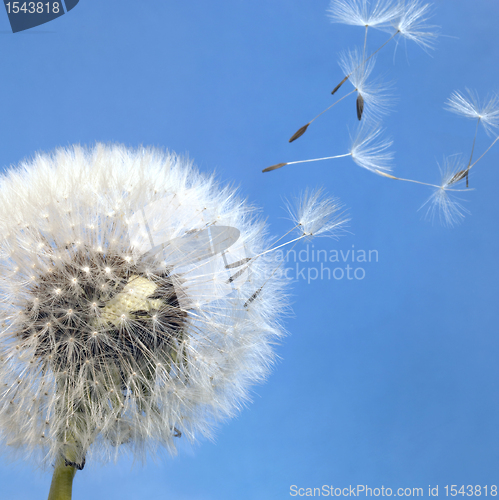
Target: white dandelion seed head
{"points": [[443, 201], [470, 106], [315, 214], [411, 23], [125, 314], [369, 150], [372, 13], [375, 93]]}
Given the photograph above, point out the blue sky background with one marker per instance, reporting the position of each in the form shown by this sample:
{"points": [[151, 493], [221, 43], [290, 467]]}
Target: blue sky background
{"points": [[390, 380]]}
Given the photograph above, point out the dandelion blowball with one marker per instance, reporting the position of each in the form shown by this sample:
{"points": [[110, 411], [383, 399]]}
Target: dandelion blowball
{"points": [[133, 310]]}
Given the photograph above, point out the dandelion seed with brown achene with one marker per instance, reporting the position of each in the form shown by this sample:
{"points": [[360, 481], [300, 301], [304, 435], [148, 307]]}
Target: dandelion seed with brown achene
{"points": [[486, 113], [373, 94], [314, 214], [458, 176], [362, 63], [368, 150], [442, 200], [452, 172]]}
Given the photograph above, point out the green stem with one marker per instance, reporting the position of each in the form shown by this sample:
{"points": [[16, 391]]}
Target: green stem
{"points": [[62, 481]]}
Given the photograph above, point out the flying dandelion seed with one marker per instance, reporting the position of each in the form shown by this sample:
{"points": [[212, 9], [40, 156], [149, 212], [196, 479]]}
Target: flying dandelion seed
{"points": [[411, 23], [486, 112], [317, 215], [368, 150], [442, 201], [376, 14], [372, 94], [125, 309], [364, 13]]}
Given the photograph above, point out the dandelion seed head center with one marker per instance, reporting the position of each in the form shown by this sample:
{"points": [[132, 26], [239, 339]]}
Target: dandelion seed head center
{"points": [[138, 316]]}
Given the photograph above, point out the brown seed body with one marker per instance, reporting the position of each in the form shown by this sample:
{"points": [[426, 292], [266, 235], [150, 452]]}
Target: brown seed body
{"points": [[299, 132], [360, 107], [274, 167], [339, 85]]}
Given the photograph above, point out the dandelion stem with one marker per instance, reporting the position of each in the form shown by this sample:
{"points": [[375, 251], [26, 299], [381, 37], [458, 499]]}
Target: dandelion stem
{"points": [[62, 481]]}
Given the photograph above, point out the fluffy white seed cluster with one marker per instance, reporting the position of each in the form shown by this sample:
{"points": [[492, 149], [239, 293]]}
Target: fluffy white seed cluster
{"points": [[369, 150], [128, 310], [374, 92], [471, 106], [317, 215], [377, 14]]}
